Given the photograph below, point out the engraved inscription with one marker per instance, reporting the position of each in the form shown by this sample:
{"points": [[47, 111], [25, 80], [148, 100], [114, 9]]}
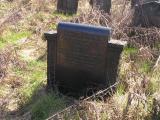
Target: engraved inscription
{"points": [[83, 52]]}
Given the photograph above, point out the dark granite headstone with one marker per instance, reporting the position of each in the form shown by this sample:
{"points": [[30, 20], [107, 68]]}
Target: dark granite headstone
{"points": [[103, 5], [77, 57], [81, 55], [81, 58], [147, 13], [67, 6]]}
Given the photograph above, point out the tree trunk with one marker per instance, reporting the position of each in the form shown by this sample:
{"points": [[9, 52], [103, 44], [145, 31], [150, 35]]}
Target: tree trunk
{"points": [[67, 6]]}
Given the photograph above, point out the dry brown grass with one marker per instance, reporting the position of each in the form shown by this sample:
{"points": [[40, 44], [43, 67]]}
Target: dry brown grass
{"points": [[131, 101]]}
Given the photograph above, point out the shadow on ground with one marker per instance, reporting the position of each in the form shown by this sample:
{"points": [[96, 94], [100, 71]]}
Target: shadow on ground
{"points": [[40, 106]]}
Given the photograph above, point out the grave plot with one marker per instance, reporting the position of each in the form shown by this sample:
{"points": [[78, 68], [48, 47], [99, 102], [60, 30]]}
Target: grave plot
{"points": [[81, 59]]}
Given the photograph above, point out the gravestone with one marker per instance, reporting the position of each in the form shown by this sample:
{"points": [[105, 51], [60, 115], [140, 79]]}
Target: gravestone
{"points": [[146, 13], [81, 58], [81, 55], [103, 5], [67, 6], [140, 2]]}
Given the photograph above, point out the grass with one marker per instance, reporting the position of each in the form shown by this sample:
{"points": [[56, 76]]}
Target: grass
{"points": [[154, 83], [53, 26], [131, 54], [125, 62], [63, 16], [11, 37], [32, 95], [132, 63], [33, 76], [145, 67], [120, 90], [46, 105], [4, 6], [104, 116], [130, 51]]}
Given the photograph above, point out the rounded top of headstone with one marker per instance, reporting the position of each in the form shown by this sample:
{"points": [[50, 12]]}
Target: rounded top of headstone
{"points": [[149, 1], [85, 28]]}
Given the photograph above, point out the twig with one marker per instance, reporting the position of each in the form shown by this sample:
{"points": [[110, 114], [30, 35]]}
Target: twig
{"points": [[157, 62]]}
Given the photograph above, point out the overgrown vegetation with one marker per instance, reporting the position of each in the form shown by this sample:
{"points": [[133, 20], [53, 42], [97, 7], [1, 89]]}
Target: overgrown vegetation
{"points": [[23, 61], [23, 65], [8, 37]]}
